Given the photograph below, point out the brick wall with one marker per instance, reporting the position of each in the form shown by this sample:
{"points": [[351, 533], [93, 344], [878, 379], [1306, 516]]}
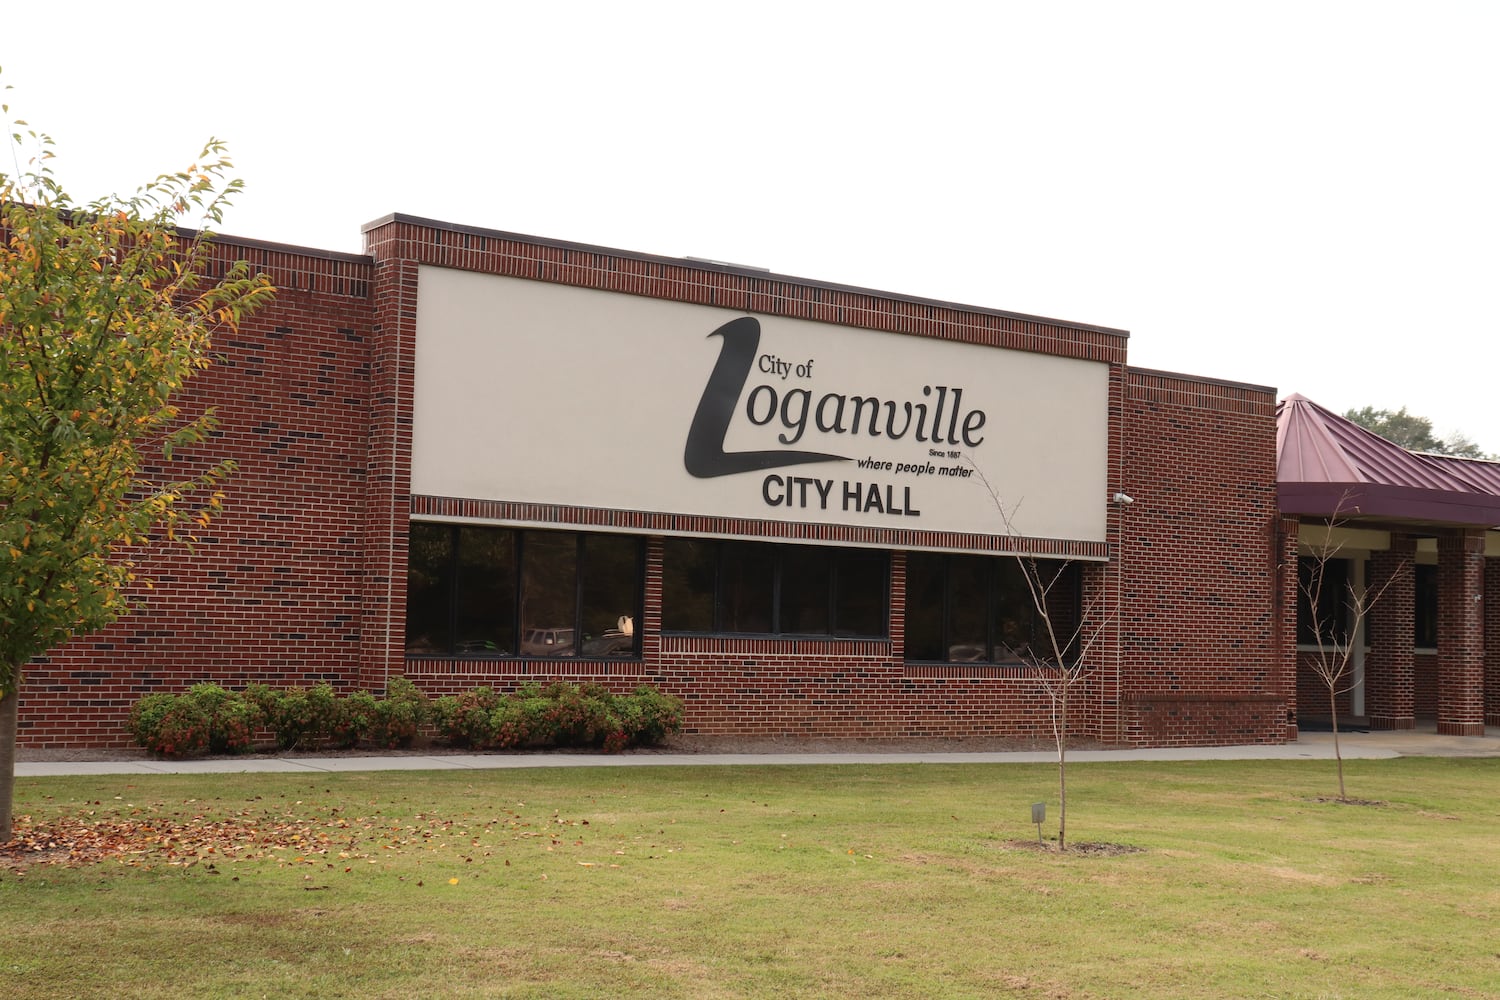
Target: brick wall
{"points": [[303, 578], [1460, 698], [273, 589], [1202, 660], [1312, 693]]}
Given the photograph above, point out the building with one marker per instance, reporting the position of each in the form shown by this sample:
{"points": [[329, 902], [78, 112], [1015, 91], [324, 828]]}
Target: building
{"points": [[1410, 538], [474, 457]]}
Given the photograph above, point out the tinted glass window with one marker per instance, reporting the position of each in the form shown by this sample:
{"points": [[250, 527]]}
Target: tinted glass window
{"points": [[963, 608], [760, 588], [480, 591]]}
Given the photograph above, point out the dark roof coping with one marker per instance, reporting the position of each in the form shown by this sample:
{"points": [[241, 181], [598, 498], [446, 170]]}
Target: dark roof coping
{"points": [[301, 251], [1227, 383], [763, 274]]}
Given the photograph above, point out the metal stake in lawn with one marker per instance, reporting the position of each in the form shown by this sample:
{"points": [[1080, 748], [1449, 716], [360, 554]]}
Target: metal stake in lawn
{"points": [[1039, 816]]}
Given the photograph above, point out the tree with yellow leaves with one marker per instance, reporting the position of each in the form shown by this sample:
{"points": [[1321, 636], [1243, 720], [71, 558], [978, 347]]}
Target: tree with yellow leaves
{"points": [[106, 310]]}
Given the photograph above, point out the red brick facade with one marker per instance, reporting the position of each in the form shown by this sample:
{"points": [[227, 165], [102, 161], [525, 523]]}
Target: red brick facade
{"points": [[1201, 659], [274, 590], [1390, 680], [1460, 710], [304, 578]]}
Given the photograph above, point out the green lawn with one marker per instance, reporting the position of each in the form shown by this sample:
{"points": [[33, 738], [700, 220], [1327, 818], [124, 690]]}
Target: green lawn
{"points": [[853, 881]]}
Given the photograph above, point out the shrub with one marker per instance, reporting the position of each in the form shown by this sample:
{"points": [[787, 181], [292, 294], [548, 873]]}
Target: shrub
{"points": [[469, 722], [654, 715], [231, 729], [514, 723], [358, 716], [442, 713], [575, 717], [396, 717], [306, 718], [265, 698], [232, 719], [146, 715], [181, 730], [209, 696], [560, 714]]}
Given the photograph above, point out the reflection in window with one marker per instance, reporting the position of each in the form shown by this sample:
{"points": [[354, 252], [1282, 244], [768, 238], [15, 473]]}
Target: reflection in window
{"points": [[549, 594], [978, 609], [690, 567], [806, 581], [759, 588], [1426, 608], [747, 575], [861, 592], [1327, 581], [610, 594], [429, 589], [480, 591], [485, 591]]}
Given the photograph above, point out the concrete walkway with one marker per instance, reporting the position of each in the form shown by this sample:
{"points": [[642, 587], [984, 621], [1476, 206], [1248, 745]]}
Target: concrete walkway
{"points": [[1312, 746]]}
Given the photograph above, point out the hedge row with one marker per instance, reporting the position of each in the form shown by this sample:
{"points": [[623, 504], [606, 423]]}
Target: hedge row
{"points": [[210, 718], [559, 714]]}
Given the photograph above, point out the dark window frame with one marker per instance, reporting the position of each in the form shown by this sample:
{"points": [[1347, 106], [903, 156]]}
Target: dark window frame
{"points": [[1425, 606], [581, 571], [995, 568], [1333, 600], [723, 553]]}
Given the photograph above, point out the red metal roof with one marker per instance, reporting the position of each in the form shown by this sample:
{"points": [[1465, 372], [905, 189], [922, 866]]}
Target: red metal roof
{"points": [[1329, 466]]}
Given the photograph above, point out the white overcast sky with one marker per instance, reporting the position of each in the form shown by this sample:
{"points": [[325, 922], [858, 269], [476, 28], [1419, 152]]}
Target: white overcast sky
{"points": [[1301, 195]]}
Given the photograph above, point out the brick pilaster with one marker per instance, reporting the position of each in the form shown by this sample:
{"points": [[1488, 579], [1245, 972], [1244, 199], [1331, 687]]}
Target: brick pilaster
{"points": [[1461, 635], [388, 483], [1284, 617], [1492, 642], [1390, 630]]}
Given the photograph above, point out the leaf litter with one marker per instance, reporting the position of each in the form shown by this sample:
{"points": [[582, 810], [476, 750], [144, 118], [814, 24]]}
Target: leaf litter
{"points": [[151, 836]]}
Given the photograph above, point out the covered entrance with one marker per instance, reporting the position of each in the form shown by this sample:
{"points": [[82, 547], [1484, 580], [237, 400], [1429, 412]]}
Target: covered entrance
{"points": [[1395, 554]]}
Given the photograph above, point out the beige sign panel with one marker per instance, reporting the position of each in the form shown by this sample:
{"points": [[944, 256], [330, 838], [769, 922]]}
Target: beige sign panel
{"points": [[529, 391]]}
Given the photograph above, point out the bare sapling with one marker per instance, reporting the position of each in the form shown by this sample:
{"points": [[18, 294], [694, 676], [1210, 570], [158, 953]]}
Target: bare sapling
{"points": [[1332, 656], [1060, 667]]}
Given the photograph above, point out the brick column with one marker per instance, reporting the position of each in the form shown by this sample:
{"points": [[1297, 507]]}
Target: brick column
{"points": [[1461, 635], [897, 605], [388, 483], [1390, 627], [1284, 632], [1492, 642]]}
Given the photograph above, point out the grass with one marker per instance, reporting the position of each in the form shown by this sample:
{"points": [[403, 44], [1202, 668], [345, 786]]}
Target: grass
{"points": [[855, 881]]}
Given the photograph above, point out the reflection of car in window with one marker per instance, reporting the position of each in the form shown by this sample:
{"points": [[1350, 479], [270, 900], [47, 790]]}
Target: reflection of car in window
{"points": [[548, 642], [477, 646], [612, 643]]}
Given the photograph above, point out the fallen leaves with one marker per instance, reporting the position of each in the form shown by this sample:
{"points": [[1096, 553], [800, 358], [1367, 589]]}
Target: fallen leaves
{"points": [[148, 835]]}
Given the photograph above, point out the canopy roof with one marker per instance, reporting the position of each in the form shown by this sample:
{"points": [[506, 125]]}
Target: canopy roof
{"points": [[1328, 466]]}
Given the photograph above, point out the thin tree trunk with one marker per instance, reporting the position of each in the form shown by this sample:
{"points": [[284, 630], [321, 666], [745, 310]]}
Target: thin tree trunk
{"points": [[1060, 730], [1333, 713], [9, 707]]}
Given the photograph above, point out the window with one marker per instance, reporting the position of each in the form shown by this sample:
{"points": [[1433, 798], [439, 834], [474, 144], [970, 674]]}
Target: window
{"points": [[1426, 607], [978, 609], [477, 591], [1330, 615], [757, 588]]}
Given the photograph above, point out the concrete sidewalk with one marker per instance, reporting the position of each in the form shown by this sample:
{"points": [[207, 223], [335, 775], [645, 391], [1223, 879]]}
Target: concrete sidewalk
{"points": [[1311, 746]]}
